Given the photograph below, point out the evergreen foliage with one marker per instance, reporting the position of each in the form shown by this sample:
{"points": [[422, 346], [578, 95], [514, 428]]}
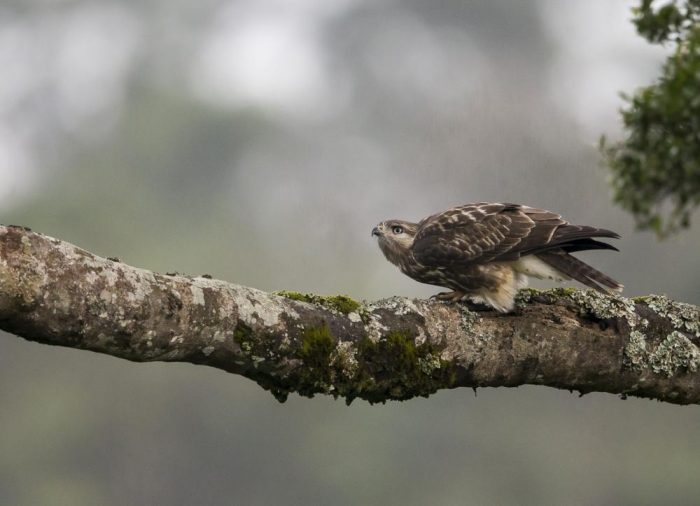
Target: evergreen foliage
{"points": [[656, 167]]}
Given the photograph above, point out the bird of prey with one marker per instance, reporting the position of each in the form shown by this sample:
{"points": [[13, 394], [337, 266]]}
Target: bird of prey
{"points": [[485, 252]]}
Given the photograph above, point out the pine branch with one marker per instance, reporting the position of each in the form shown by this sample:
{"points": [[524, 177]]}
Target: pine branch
{"points": [[55, 293]]}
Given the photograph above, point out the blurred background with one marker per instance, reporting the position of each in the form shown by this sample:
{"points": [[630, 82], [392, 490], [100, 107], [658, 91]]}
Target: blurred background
{"points": [[260, 141]]}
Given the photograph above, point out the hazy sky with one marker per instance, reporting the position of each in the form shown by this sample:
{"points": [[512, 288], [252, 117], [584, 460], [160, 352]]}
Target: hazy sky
{"points": [[67, 67]]}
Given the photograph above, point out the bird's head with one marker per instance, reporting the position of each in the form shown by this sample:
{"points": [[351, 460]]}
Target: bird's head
{"points": [[395, 238]]}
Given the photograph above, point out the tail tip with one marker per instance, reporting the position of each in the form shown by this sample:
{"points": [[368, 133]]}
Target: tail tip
{"points": [[617, 288]]}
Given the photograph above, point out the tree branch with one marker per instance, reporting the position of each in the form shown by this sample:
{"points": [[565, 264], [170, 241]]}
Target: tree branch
{"points": [[55, 293]]}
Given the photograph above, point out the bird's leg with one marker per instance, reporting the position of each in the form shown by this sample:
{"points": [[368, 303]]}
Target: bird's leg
{"points": [[449, 297]]}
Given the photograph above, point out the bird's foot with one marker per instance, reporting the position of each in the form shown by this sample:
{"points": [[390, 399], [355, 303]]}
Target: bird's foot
{"points": [[448, 297], [462, 298]]}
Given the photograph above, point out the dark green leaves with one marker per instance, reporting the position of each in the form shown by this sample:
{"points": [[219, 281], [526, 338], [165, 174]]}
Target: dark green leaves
{"points": [[656, 168]]}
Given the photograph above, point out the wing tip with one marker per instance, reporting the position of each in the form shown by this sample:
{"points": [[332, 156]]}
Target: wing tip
{"points": [[604, 232]]}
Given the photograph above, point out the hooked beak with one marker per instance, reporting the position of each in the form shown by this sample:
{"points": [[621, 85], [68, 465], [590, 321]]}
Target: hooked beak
{"points": [[375, 231]]}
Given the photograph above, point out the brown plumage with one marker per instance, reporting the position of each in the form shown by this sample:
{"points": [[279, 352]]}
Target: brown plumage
{"points": [[485, 251]]}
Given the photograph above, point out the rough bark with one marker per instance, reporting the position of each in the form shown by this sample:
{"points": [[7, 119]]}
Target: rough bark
{"points": [[55, 293]]}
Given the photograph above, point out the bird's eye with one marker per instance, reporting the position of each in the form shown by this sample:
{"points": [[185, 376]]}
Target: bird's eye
{"points": [[397, 230]]}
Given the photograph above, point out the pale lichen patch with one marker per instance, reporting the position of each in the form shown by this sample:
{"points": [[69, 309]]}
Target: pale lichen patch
{"points": [[110, 276], [396, 306], [63, 301], [343, 359], [91, 277], [684, 317], [208, 350], [676, 352], [177, 340], [26, 245], [601, 306], [636, 351], [374, 327], [354, 317], [226, 306], [141, 283], [197, 295], [421, 338], [429, 363], [605, 306], [467, 319], [26, 283], [400, 306], [255, 305]]}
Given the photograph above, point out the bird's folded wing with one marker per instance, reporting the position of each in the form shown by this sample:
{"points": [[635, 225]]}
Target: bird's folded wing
{"points": [[484, 232]]}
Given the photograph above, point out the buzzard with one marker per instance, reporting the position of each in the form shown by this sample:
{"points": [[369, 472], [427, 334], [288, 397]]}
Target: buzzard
{"points": [[484, 252]]}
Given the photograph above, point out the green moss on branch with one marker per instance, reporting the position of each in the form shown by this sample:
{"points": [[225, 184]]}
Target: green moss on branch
{"points": [[394, 367], [340, 303], [316, 375]]}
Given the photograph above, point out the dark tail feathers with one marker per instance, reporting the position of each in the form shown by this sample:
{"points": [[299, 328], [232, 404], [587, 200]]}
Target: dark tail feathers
{"points": [[586, 244], [576, 269]]}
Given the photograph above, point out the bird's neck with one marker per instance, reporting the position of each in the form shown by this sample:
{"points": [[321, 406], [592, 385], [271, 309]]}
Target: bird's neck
{"points": [[394, 253]]}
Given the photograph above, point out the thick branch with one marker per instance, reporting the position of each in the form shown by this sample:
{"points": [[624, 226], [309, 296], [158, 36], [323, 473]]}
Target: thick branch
{"points": [[55, 293]]}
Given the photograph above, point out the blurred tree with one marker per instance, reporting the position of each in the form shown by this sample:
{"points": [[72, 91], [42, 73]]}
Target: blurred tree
{"points": [[656, 168]]}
